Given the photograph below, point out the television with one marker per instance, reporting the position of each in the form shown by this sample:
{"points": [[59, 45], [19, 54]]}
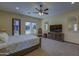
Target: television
{"points": [[56, 28]]}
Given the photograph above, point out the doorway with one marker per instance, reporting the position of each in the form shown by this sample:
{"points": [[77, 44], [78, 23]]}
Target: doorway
{"points": [[16, 26]]}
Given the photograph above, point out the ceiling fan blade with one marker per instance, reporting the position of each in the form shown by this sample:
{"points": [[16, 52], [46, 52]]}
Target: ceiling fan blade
{"points": [[35, 12], [45, 12], [37, 9], [46, 9]]}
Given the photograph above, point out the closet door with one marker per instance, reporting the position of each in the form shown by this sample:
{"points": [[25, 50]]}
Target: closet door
{"points": [[16, 26]]}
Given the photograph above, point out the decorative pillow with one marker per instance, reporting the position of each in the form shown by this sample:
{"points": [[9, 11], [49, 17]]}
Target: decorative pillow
{"points": [[3, 36], [1, 40]]}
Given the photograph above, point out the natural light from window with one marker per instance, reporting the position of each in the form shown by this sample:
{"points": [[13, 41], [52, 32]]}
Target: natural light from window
{"points": [[46, 26], [75, 27], [30, 28]]}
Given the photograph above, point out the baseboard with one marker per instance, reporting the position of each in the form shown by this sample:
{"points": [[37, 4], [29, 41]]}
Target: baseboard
{"points": [[71, 42]]}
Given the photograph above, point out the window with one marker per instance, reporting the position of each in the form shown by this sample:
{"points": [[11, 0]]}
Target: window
{"points": [[27, 28], [75, 27], [46, 27], [33, 28], [30, 28]]}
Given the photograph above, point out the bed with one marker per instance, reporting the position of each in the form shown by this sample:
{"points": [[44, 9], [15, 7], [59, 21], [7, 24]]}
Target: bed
{"points": [[19, 45]]}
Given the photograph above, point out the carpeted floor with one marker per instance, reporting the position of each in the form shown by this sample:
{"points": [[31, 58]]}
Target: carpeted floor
{"points": [[38, 52], [55, 48]]}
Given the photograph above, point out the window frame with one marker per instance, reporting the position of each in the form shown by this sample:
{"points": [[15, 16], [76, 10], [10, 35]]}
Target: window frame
{"points": [[46, 27], [31, 28]]}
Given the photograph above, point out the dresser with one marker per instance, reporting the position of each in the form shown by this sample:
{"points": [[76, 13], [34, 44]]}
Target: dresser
{"points": [[59, 36]]}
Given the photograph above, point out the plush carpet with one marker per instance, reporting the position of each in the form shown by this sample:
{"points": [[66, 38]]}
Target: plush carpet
{"points": [[38, 52], [55, 48]]}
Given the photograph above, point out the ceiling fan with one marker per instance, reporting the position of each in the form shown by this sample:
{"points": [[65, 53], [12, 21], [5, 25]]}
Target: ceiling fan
{"points": [[41, 11]]}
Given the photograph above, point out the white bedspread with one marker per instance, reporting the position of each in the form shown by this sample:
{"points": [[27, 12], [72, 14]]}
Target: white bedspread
{"points": [[17, 43]]}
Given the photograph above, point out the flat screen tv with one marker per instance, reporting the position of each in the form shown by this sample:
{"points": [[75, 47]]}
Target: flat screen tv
{"points": [[56, 28]]}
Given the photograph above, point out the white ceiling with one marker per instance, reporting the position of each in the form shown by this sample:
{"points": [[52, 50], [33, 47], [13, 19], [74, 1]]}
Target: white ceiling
{"points": [[27, 8]]}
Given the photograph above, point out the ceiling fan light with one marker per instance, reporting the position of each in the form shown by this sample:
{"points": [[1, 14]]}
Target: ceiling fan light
{"points": [[41, 14]]}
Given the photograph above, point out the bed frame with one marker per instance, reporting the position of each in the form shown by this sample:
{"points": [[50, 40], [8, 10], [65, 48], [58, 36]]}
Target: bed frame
{"points": [[26, 51]]}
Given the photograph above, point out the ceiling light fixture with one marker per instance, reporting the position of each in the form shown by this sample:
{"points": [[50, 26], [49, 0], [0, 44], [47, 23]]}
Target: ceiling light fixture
{"points": [[72, 2], [40, 13], [17, 8]]}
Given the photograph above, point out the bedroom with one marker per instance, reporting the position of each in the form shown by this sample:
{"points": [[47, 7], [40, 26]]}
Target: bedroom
{"points": [[20, 21]]}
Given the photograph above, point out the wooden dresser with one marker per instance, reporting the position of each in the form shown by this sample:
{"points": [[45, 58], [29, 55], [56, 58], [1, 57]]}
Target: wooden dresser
{"points": [[56, 36]]}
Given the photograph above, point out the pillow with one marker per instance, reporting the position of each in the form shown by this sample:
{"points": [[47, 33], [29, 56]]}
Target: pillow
{"points": [[1, 40], [3, 36]]}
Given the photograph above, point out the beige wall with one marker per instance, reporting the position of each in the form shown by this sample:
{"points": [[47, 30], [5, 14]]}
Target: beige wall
{"points": [[6, 21], [63, 19]]}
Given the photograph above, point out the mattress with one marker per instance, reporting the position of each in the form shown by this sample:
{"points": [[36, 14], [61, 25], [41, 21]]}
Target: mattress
{"points": [[17, 43]]}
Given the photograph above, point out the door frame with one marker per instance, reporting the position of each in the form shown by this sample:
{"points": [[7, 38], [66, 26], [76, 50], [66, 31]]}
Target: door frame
{"points": [[13, 19]]}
